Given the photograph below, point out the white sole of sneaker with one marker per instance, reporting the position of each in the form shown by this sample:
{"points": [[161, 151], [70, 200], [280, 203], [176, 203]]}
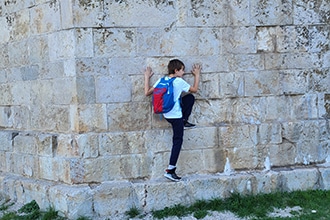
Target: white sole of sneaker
{"points": [[171, 178]]}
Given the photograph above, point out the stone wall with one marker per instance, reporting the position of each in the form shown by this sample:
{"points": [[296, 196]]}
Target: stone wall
{"points": [[73, 111]]}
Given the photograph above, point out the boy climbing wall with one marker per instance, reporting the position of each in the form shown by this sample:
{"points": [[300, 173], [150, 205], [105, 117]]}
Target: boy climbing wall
{"points": [[179, 115]]}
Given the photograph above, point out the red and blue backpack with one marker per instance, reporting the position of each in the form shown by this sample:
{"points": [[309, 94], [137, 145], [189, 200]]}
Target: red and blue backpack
{"points": [[163, 97]]}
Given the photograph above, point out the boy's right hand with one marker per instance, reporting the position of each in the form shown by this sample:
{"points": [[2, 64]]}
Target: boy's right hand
{"points": [[196, 69], [148, 73]]}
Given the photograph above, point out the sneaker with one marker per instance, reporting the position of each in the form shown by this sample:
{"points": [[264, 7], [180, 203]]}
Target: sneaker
{"points": [[188, 125], [171, 175]]}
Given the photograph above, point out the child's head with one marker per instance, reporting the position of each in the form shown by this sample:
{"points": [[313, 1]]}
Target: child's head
{"points": [[174, 65]]}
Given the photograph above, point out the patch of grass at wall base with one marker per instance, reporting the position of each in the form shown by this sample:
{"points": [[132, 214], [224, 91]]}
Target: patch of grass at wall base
{"points": [[314, 204]]}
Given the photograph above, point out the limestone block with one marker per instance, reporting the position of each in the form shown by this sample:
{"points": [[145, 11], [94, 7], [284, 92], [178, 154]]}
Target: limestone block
{"points": [[29, 72], [213, 159], [266, 182], [311, 12], [61, 45], [14, 6], [200, 161], [143, 13], [7, 184], [5, 95], [247, 62], [63, 91], [243, 157], [52, 72], [73, 201], [134, 166], [86, 67], [46, 18], [294, 81], [191, 162], [209, 43], [271, 13], [28, 190], [243, 184], [23, 164], [115, 167], [126, 143], [4, 58], [270, 133], [211, 112], [277, 156], [114, 42], [86, 90], [177, 41], [67, 146], [84, 42], [102, 169], [238, 40], [262, 83], [278, 108], [50, 119], [92, 118], [46, 144], [127, 116], [21, 25], [158, 198], [304, 107], [208, 187], [55, 169], [310, 152], [25, 143], [291, 131], [138, 89], [292, 39], [324, 130], [266, 39], [113, 89], [292, 61], [231, 84], [21, 92], [237, 15], [5, 115], [157, 140], [118, 194], [40, 92], [5, 25], [300, 179], [319, 80], [208, 87], [200, 138], [249, 110], [18, 53], [200, 13], [88, 145], [39, 49], [88, 13], [326, 60], [3, 75], [149, 41], [3, 163], [244, 136], [67, 18], [319, 38], [325, 175]]}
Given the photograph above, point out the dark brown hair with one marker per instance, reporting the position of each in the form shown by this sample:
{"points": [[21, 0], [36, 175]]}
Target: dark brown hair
{"points": [[174, 65]]}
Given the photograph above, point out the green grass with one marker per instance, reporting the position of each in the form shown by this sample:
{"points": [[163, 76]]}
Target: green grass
{"points": [[258, 206]]}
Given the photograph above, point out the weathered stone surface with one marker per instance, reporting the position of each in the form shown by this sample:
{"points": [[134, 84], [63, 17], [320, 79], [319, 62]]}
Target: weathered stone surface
{"points": [[73, 109], [119, 194], [74, 201]]}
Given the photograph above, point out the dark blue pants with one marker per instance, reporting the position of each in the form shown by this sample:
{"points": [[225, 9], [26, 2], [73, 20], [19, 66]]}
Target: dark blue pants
{"points": [[187, 103]]}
